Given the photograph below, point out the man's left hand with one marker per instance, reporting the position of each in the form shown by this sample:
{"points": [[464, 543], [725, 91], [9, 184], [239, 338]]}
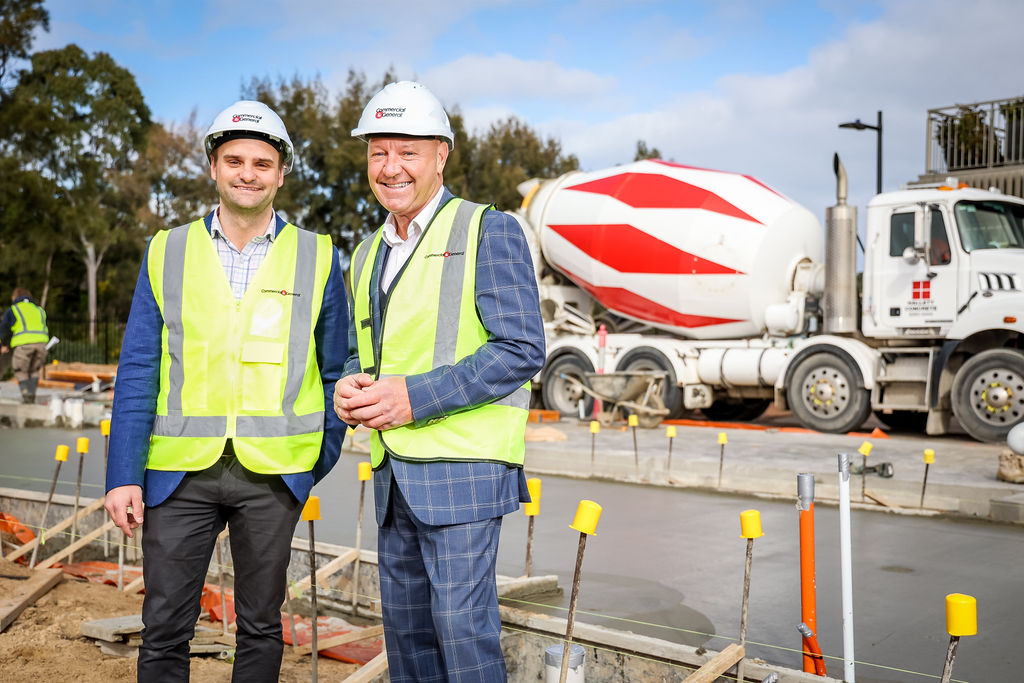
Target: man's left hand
{"points": [[383, 405], [4, 349]]}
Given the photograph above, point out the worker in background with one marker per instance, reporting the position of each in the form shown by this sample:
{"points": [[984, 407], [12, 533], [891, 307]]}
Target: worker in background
{"points": [[23, 329], [222, 407], [446, 334]]}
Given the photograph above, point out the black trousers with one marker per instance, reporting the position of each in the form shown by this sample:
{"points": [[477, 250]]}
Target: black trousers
{"points": [[177, 544]]}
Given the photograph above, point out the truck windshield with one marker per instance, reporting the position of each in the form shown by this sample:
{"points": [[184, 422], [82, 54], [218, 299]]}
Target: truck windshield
{"points": [[990, 224]]}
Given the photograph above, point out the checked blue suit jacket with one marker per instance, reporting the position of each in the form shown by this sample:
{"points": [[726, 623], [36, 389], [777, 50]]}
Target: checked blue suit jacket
{"points": [[441, 493]]}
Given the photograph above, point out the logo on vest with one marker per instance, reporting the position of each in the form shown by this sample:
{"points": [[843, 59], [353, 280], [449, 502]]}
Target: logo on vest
{"points": [[282, 292], [445, 254]]}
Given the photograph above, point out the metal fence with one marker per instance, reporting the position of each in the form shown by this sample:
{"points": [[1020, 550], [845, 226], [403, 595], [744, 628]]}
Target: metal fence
{"points": [[74, 345], [979, 135]]}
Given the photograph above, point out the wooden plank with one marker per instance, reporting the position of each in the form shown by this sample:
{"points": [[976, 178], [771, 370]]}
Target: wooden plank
{"points": [[717, 665], [26, 594], [328, 569], [343, 639], [60, 526], [136, 585], [370, 670], [80, 543]]}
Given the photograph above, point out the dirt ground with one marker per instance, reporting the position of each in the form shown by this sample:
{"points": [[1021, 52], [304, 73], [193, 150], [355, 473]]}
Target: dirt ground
{"points": [[45, 643]]}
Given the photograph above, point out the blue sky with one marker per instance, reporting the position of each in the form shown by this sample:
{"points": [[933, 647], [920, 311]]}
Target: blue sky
{"points": [[743, 85]]}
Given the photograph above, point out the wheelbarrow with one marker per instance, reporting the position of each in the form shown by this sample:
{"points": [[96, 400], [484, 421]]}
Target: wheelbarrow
{"points": [[623, 393]]}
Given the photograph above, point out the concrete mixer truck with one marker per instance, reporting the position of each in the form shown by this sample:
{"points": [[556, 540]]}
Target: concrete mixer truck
{"points": [[738, 296]]}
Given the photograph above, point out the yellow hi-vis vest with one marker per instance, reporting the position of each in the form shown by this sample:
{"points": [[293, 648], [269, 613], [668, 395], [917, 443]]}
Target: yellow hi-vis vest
{"points": [[428, 320], [29, 324], [241, 369]]}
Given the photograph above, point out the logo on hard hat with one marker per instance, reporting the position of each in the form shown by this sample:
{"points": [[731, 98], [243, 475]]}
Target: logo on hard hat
{"points": [[251, 118], [388, 112]]}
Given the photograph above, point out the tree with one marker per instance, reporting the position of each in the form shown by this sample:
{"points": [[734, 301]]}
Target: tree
{"points": [[80, 122], [18, 20], [642, 152]]}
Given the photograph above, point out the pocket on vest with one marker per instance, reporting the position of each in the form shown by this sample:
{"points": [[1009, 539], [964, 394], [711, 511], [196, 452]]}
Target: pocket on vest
{"points": [[262, 373]]}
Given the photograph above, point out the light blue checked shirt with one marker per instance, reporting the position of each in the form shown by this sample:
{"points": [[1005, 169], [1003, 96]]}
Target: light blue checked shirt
{"points": [[240, 266]]}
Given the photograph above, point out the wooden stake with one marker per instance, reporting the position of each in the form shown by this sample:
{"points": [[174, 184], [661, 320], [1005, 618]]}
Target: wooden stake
{"points": [[312, 583], [359, 540], [947, 668], [529, 548], [223, 598], [743, 610], [572, 608]]}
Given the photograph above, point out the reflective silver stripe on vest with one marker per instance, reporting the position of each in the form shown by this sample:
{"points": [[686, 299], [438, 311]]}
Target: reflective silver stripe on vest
{"points": [[174, 276], [190, 425], [453, 273], [301, 323], [359, 261], [520, 398], [288, 425]]}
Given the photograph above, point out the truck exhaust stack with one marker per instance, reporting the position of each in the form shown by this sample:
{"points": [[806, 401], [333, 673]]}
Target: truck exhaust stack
{"points": [[840, 305]]}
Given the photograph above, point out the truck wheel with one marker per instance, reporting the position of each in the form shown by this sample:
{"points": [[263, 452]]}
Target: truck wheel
{"points": [[736, 410], [646, 358], [561, 394], [904, 420], [826, 392], [988, 394]]}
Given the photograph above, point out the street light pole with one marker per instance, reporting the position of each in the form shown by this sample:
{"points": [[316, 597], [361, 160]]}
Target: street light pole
{"points": [[860, 125]]}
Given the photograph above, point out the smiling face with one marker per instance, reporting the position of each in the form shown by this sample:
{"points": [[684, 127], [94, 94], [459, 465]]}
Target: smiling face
{"points": [[248, 174], [405, 173]]}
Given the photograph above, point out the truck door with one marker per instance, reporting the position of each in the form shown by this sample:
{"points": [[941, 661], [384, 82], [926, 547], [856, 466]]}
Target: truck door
{"points": [[918, 299]]}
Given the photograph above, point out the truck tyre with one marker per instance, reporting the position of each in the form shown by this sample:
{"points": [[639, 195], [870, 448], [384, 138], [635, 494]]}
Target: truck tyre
{"points": [[826, 392], [910, 421], [988, 394], [736, 410], [647, 358], [561, 394]]}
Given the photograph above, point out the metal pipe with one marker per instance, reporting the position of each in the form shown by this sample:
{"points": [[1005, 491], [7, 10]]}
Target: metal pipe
{"points": [[947, 668], [743, 609], [811, 640], [312, 596], [846, 567], [808, 584], [46, 509]]}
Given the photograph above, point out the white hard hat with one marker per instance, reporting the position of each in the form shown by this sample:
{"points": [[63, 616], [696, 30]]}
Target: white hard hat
{"points": [[404, 108], [249, 119]]}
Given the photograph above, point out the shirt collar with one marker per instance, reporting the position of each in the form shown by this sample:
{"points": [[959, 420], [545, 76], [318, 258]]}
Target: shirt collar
{"points": [[216, 229], [416, 226]]}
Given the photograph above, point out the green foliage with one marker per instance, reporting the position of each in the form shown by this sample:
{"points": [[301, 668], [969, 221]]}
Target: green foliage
{"points": [[18, 20], [642, 152]]}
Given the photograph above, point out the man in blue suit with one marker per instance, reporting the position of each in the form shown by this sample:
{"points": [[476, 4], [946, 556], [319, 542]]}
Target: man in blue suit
{"points": [[446, 334]]}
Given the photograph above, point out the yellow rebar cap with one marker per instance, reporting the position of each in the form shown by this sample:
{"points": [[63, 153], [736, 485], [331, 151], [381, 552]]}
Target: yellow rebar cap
{"points": [[929, 456], [865, 449], [722, 438], [311, 510], [634, 420], [670, 431], [595, 427], [82, 445], [105, 427], [62, 453], [365, 471], [750, 524], [532, 509], [587, 514], [961, 615]]}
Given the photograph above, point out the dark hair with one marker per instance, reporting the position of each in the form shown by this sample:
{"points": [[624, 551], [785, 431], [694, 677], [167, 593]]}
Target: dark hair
{"points": [[20, 292]]}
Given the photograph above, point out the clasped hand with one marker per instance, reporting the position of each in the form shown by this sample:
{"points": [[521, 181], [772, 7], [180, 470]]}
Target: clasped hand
{"points": [[382, 404]]}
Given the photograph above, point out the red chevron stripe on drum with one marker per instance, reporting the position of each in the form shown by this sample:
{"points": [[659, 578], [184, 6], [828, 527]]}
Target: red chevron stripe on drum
{"points": [[634, 305], [711, 170], [656, 191], [646, 253]]}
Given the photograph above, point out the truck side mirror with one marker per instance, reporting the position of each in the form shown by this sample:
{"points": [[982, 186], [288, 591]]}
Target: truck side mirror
{"points": [[911, 255]]}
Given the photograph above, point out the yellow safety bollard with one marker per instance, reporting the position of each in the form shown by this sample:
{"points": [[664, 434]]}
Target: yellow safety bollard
{"points": [[722, 440], [531, 509], [364, 473], [61, 456], [587, 515], [929, 458], [82, 446], [633, 421], [311, 513], [750, 528], [595, 429], [865, 451], [961, 620], [670, 432]]}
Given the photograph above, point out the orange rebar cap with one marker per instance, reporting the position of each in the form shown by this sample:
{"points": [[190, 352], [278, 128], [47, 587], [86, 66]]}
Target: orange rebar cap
{"points": [[311, 510], [587, 514]]}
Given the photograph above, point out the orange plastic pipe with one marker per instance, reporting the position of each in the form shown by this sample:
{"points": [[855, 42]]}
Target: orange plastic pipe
{"points": [[808, 587]]}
